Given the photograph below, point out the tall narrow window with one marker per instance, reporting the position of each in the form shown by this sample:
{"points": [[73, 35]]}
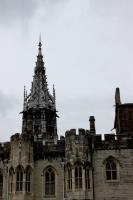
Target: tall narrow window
{"points": [[19, 179], [87, 178], [1, 184], [11, 180], [28, 180], [69, 178], [78, 176], [111, 170], [49, 182]]}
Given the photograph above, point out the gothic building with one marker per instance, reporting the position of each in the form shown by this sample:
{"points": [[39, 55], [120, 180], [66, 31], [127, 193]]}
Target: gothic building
{"points": [[37, 165]]}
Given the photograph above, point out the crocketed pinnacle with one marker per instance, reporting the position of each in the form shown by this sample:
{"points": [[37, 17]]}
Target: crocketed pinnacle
{"points": [[39, 64], [40, 46]]}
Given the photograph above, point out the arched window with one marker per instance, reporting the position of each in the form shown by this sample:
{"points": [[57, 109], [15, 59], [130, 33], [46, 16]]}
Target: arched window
{"points": [[111, 169], [49, 182], [78, 176], [87, 178], [69, 178], [19, 179], [11, 172], [28, 180], [1, 184]]}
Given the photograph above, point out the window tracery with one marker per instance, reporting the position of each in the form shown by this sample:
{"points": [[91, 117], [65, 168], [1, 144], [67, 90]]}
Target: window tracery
{"points": [[78, 176], [11, 172], [111, 169], [49, 182], [19, 179], [28, 180], [69, 178], [87, 178]]}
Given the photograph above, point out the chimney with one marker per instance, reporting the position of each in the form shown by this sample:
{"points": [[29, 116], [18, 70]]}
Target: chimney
{"points": [[117, 97], [92, 124]]}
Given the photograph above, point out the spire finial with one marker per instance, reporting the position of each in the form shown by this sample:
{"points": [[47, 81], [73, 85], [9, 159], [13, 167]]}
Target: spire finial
{"points": [[40, 40], [40, 45]]}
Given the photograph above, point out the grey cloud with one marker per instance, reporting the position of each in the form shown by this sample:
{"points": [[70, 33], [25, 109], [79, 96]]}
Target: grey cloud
{"points": [[7, 103], [11, 10], [22, 10]]}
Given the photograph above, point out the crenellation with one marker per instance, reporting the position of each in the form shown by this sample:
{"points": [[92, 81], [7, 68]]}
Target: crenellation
{"points": [[15, 137], [62, 137], [111, 141], [98, 140], [81, 132], [109, 137], [72, 133], [67, 134]]}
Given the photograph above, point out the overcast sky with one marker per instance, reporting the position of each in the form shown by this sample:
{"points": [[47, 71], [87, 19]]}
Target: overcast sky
{"points": [[88, 52]]}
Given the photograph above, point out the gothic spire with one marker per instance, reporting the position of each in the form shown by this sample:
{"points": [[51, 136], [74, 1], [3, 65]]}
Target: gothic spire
{"points": [[39, 63], [39, 114]]}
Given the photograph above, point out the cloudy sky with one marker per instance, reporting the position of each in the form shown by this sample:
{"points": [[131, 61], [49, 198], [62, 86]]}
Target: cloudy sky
{"points": [[88, 52]]}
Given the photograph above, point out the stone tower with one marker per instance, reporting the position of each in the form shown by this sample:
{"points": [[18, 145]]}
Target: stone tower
{"points": [[39, 112], [123, 116]]}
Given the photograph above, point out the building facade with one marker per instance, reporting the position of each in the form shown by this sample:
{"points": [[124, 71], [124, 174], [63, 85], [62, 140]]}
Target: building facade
{"points": [[37, 165]]}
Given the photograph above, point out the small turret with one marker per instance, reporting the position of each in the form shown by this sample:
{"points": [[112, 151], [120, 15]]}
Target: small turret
{"points": [[123, 116]]}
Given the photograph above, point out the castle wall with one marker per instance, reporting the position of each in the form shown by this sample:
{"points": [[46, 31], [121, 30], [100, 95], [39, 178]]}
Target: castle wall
{"points": [[39, 176], [120, 189], [79, 149], [78, 154], [21, 150]]}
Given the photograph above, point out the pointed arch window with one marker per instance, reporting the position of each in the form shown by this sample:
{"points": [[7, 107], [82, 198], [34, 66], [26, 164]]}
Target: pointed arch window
{"points": [[1, 184], [50, 182], [19, 179], [78, 176], [87, 178], [111, 169], [11, 172], [28, 180], [69, 178]]}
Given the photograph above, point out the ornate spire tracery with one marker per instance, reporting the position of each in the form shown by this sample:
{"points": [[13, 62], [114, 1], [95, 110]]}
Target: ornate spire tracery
{"points": [[39, 114]]}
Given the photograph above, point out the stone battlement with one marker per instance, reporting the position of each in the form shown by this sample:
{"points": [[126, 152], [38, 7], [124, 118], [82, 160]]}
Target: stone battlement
{"points": [[107, 137], [22, 137], [106, 141], [72, 133], [16, 137], [112, 141]]}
